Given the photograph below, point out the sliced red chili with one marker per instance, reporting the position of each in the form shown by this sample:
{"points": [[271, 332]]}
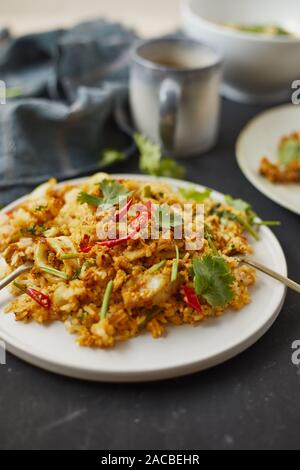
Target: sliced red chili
{"points": [[136, 225], [123, 211], [119, 241], [114, 242], [190, 297], [9, 213], [42, 299], [141, 220], [84, 245]]}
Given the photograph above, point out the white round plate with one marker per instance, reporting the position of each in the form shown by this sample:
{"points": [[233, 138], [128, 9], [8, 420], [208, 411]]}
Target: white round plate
{"points": [[184, 350], [260, 138]]}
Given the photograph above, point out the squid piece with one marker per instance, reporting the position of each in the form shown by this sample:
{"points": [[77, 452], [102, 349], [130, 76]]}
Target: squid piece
{"points": [[147, 290]]}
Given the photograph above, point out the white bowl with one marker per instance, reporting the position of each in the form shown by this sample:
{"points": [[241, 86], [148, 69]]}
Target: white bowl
{"points": [[258, 68]]}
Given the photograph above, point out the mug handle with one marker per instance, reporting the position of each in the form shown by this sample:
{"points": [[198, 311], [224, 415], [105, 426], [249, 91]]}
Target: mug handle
{"points": [[169, 100]]}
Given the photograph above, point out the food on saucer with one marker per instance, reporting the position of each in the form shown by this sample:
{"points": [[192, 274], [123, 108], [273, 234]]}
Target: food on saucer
{"points": [[287, 167]]}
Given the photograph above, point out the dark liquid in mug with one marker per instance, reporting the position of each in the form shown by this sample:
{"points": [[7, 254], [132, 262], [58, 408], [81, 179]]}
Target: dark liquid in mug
{"points": [[172, 64]]}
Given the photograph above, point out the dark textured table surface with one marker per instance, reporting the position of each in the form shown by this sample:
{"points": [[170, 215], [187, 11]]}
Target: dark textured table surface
{"points": [[252, 401]]}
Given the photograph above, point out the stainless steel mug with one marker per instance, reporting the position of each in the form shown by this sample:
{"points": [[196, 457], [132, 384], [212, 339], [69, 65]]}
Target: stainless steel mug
{"points": [[174, 94]]}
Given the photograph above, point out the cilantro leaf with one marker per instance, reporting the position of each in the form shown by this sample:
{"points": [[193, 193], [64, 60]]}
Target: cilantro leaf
{"points": [[150, 154], [193, 194], [112, 192], [213, 279], [237, 204], [89, 199], [152, 161], [110, 156], [169, 168], [289, 150]]}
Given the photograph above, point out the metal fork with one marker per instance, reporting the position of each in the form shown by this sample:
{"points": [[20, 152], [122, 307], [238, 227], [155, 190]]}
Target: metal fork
{"points": [[264, 269], [12, 276], [254, 264]]}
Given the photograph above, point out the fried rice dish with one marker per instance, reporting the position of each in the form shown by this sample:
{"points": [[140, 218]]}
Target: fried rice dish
{"points": [[110, 289]]}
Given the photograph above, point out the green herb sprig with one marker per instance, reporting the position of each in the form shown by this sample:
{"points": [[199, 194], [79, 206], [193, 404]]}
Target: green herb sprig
{"points": [[213, 279]]}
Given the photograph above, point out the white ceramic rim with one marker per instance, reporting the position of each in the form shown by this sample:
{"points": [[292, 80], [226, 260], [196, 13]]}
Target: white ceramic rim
{"points": [[35, 357], [187, 10], [138, 58], [257, 182]]}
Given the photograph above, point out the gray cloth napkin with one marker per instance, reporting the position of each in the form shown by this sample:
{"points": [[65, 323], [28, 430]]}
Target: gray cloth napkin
{"points": [[61, 88]]}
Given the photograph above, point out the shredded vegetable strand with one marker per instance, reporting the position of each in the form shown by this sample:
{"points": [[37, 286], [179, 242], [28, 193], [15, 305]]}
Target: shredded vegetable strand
{"points": [[70, 256], [248, 227], [268, 223], [54, 272], [157, 266], [106, 298], [174, 272]]}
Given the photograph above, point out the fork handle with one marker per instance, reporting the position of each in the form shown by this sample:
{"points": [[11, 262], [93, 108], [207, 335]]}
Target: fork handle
{"points": [[20, 270], [285, 280]]}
